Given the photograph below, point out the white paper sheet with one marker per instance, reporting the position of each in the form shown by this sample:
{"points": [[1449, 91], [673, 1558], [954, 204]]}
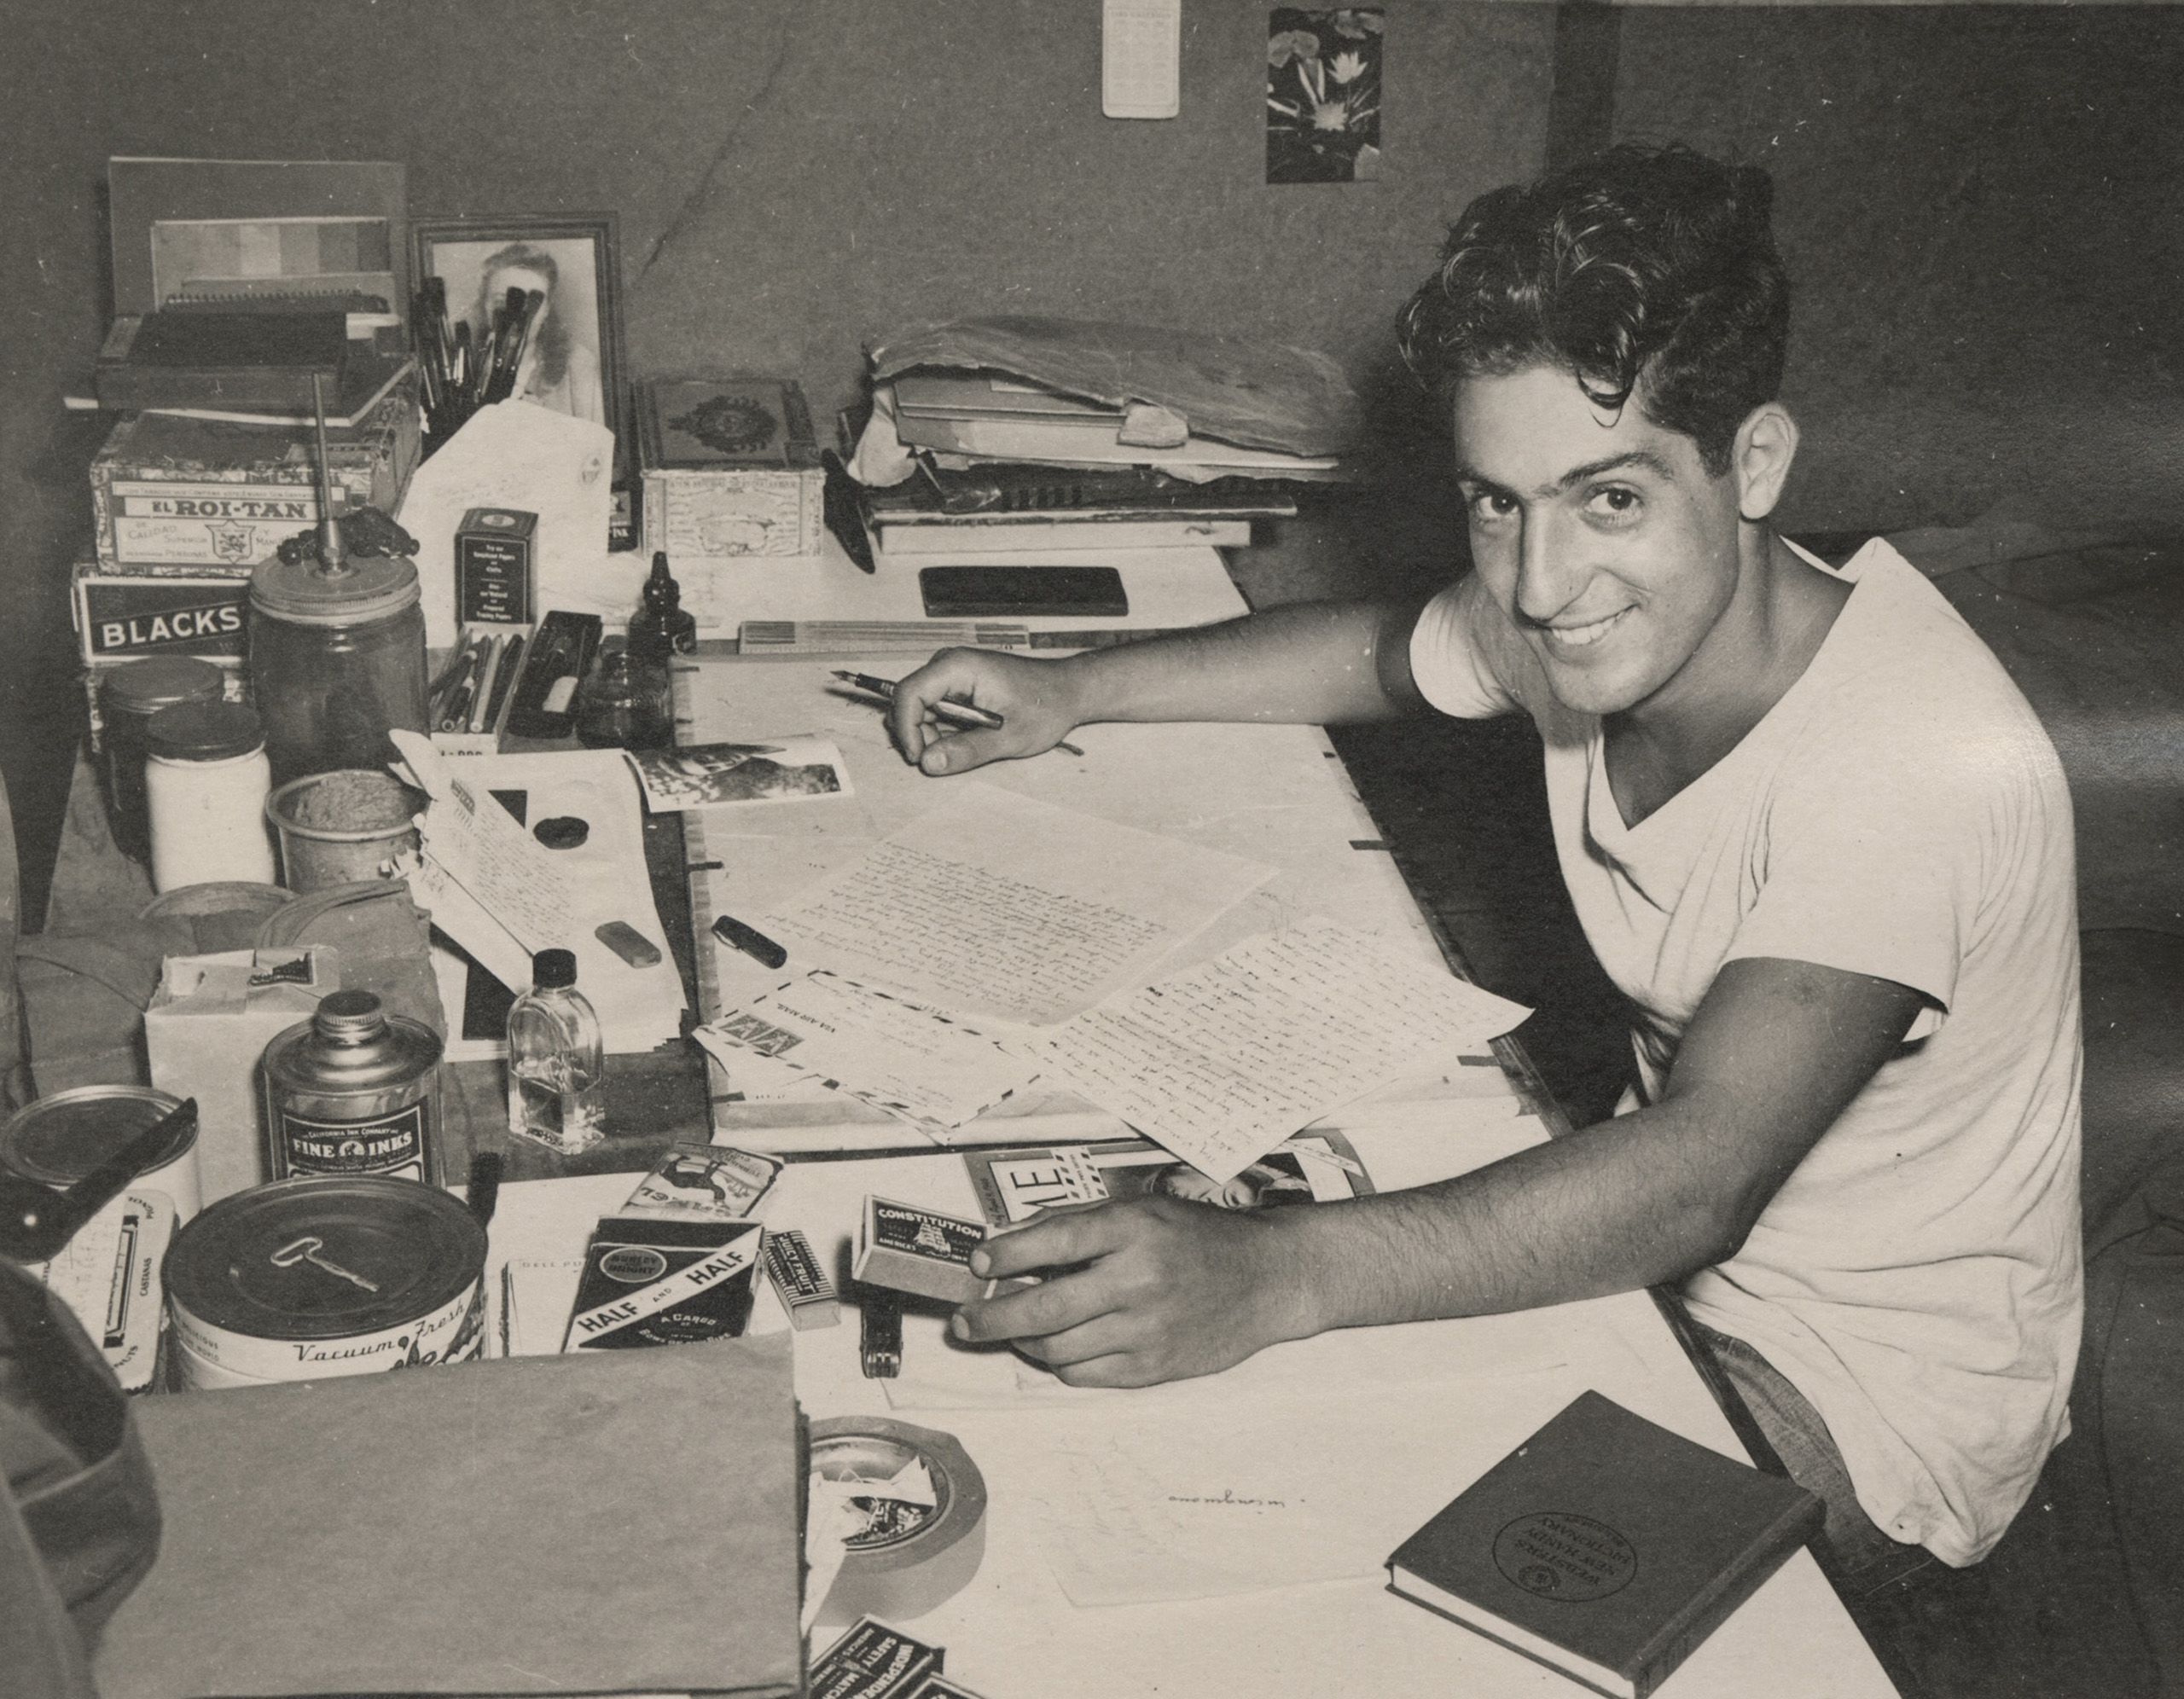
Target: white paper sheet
{"points": [[515, 454], [1222, 1063], [494, 889], [992, 905], [1149, 1510], [898, 1055]]}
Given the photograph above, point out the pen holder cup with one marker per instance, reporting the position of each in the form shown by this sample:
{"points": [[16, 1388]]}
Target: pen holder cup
{"points": [[338, 827]]}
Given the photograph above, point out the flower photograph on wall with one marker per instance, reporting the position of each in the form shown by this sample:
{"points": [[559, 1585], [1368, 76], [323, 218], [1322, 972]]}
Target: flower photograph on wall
{"points": [[1324, 95]]}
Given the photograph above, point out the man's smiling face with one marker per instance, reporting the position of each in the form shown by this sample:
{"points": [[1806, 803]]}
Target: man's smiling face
{"points": [[1603, 537]]}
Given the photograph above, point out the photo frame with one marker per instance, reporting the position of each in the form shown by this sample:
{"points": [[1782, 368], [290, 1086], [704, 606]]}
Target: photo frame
{"points": [[574, 364]]}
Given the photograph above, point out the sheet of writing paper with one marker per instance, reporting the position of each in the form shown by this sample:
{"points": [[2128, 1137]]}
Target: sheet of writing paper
{"points": [[1156, 1508], [996, 905], [516, 453], [483, 850], [1221, 1063], [922, 1066]]}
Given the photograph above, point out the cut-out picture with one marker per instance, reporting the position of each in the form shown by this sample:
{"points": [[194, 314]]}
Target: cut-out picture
{"points": [[1324, 95], [712, 775]]}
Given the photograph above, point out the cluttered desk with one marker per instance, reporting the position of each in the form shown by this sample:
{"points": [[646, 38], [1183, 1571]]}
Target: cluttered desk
{"points": [[586, 888]]}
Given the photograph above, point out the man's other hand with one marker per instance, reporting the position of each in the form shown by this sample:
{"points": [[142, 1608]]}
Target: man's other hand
{"points": [[1152, 1289], [1033, 698]]}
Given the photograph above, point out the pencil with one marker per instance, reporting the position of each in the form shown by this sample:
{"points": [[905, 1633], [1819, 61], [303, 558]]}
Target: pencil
{"points": [[964, 714]]}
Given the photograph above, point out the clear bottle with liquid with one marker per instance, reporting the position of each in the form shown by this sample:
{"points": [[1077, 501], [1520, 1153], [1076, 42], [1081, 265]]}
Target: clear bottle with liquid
{"points": [[556, 1059]]}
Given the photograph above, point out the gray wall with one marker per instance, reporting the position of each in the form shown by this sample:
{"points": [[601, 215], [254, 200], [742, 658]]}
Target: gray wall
{"points": [[1983, 211]]}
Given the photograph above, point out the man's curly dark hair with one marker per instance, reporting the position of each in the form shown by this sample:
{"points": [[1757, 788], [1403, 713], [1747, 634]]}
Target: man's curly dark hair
{"points": [[1645, 272]]}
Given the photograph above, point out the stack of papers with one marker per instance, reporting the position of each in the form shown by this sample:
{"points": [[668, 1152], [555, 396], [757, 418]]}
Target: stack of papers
{"points": [[997, 941]]}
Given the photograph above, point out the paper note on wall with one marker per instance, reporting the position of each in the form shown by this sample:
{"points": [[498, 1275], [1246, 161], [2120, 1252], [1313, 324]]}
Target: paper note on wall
{"points": [[996, 906]]}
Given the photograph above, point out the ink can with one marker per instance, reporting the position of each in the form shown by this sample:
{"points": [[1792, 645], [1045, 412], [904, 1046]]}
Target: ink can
{"points": [[354, 1092], [56, 1140], [308, 1278]]}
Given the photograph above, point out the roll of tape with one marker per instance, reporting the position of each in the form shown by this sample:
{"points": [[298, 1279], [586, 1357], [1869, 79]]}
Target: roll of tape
{"points": [[903, 1564]]}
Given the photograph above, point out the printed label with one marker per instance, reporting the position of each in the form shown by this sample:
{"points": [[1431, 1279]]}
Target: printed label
{"points": [[392, 1144], [124, 616]]}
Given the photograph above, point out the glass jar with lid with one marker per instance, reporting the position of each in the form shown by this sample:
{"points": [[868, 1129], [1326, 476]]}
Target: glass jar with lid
{"points": [[128, 696], [337, 656], [206, 779]]}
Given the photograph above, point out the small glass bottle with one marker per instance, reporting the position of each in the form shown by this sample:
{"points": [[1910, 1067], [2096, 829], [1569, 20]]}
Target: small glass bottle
{"points": [[662, 628], [206, 779], [625, 703], [556, 1059]]}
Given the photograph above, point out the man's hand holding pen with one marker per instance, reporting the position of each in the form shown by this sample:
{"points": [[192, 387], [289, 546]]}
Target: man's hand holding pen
{"points": [[1034, 701]]}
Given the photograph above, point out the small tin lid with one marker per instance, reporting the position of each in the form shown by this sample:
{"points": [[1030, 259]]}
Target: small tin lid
{"points": [[370, 587], [397, 1251], [203, 731], [56, 1140], [159, 681]]}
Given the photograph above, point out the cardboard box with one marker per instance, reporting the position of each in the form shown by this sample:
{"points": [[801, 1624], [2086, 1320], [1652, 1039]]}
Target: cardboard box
{"points": [[173, 496], [206, 1033], [124, 616]]}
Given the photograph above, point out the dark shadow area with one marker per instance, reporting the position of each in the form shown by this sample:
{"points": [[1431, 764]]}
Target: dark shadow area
{"points": [[1462, 805]]}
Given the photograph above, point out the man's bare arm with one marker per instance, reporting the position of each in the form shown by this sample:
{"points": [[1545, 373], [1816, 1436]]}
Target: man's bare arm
{"points": [[1156, 1289], [1304, 664]]}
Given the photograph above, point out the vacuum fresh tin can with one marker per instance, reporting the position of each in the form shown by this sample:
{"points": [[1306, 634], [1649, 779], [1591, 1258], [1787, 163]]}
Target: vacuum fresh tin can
{"points": [[308, 1279], [354, 1091], [56, 1140]]}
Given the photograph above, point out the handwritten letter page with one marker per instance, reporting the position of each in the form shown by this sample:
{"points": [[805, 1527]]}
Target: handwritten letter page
{"points": [[996, 906], [1222, 1063]]}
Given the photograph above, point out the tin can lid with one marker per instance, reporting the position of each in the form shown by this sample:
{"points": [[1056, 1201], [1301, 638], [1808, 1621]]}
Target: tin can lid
{"points": [[369, 588], [159, 681], [56, 1140], [350, 1044], [320, 1258], [203, 731]]}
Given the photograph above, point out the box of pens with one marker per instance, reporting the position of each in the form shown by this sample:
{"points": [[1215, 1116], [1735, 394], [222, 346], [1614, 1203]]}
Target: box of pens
{"points": [[471, 694]]}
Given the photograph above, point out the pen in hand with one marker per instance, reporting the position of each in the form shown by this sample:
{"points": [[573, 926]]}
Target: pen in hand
{"points": [[954, 713]]}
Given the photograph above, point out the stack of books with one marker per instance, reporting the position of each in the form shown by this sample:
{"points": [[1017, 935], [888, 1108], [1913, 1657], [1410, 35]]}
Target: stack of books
{"points": [[1008, 467]]}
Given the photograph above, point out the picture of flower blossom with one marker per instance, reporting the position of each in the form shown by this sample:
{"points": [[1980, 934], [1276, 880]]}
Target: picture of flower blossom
{"points": [[1324, 95]]}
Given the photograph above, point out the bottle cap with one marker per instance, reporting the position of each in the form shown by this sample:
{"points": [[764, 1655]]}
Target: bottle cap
{"points": [[349, 1016], [552, 970], [159, 682], [203, 731]]}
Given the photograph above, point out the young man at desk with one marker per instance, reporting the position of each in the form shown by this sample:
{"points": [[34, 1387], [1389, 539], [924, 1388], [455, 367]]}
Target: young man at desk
{"points": [[1810, 828]]}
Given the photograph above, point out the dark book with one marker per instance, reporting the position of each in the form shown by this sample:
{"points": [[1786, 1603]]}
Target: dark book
{"points": [[245, 367], [1605, 1547]]}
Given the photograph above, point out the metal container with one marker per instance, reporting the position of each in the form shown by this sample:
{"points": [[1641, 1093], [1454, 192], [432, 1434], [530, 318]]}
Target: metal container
{"points": [[56, 1140], [354, 1091], [308, 1279], [336, 828], [128, 698], [337, 658]]}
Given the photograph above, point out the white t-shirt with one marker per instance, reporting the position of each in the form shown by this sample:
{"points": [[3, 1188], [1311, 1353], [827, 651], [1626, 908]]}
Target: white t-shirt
{"points": [[1900, 813]]}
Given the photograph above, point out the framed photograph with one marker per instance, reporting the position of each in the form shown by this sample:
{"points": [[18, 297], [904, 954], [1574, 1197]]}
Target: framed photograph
{"points": [[573, 361]]}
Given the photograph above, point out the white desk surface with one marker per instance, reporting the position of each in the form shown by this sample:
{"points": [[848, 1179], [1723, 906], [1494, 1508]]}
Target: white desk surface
{"points": [[1439, 1401], [1418, 1411]]}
